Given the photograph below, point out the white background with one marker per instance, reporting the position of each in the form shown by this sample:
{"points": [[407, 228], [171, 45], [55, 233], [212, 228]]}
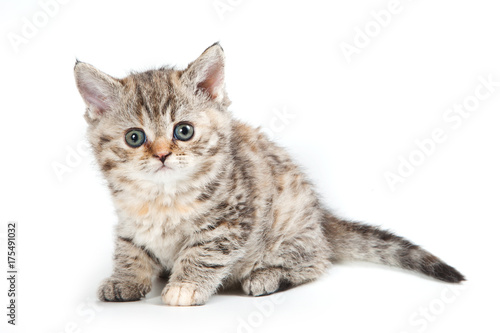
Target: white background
{"points": [[352, 121]]}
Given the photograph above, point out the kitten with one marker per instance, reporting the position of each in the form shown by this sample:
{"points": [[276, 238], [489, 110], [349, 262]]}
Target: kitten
{"points": [[210, 200]]}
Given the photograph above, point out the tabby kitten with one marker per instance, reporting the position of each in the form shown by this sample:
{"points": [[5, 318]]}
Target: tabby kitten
{"points": [[209, 200]]}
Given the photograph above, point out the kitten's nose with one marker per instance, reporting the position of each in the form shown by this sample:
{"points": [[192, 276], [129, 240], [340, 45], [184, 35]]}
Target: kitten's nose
{"points": [[162, 156]]}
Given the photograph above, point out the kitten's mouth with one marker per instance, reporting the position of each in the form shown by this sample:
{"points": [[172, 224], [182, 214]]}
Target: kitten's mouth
{"points": [[163, 168]]}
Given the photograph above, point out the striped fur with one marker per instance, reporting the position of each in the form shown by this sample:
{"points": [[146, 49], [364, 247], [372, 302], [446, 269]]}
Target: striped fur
{"points": [[228, 206]]}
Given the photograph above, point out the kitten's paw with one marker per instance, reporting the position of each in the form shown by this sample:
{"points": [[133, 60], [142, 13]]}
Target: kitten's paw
{"points": [[116, 290], [262, 282], [183, 294]]}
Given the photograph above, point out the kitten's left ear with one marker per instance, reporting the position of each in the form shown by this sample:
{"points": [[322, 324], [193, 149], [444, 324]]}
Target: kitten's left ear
{"points": [[206, 73], [100, 91]]}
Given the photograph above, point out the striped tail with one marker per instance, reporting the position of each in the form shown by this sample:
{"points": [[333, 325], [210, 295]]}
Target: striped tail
{"points": [[356, 241]]}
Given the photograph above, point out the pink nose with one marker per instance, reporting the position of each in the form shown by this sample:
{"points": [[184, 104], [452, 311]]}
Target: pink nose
{"points": [[162, 156]]}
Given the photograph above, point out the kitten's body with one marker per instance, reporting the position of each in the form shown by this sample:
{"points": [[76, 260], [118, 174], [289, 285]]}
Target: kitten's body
{"points": [[226, 206]]}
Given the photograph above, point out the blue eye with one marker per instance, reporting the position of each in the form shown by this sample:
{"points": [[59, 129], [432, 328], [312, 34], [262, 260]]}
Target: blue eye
{"points": [[183, 131], [135, 138]]}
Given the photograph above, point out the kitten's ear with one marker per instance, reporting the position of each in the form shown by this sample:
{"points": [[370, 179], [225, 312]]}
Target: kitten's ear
{"points": [[100, 91], [207, 73]]}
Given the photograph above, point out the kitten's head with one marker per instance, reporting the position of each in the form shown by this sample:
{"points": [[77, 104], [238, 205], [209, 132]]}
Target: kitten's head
{"points": [[162, 126]]}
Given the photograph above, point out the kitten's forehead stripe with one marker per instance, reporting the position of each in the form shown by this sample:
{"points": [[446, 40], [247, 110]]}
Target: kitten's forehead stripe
{"points": [[172, 78], [166, 104], [143, 102], [166, 100], [137, 102]]}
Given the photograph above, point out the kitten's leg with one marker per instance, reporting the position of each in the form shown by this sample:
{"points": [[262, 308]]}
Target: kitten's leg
{"points": [[291, 264], [270, 279], [200, 270], [133, 270]]}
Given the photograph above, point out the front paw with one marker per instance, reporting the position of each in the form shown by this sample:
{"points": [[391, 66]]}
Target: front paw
{"points": [[116, 290], [183, 294]]}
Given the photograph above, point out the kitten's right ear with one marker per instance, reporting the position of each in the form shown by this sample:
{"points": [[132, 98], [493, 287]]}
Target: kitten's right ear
{"points": [[100, 91], [206, 73]]}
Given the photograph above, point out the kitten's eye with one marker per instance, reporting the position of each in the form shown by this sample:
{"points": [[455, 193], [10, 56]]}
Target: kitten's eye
{"points": [[135, 138], [183, 132]]}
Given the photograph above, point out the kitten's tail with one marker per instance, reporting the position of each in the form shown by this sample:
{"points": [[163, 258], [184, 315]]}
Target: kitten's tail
{"points": [[356, 241]]}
